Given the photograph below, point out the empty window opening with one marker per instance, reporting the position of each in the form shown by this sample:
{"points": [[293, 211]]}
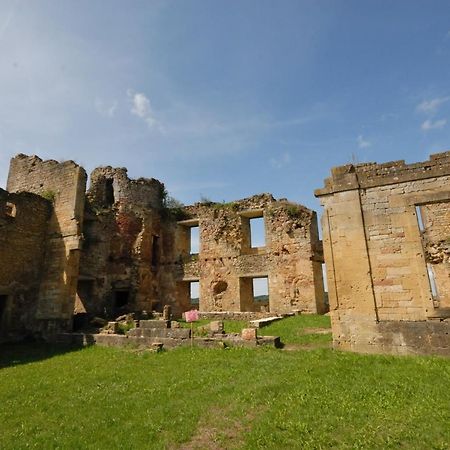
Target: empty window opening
{"points": [[109, 192], [420, 219], [261, 290], [155, 251], [80, 321], [10, 209], [194, 292], [257, 232], [3, 300], [194, 240], [325, 285], [121, 298], [432, 280], [324, 277]]}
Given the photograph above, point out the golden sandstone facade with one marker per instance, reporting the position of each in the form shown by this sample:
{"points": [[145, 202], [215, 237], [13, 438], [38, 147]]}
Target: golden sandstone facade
{"points": [[68, 255], [386, 244]]}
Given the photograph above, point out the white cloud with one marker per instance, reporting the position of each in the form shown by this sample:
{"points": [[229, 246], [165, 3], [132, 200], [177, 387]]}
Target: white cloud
{"points": [[106, 109], [430, 125], [431, 106], [140, 107], [363, 143], [280, 162]]}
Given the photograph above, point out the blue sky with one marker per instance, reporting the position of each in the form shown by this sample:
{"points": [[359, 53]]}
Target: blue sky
{"points": [[225, 99]]}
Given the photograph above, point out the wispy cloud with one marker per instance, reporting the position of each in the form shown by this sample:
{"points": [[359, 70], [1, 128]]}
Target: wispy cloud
{"points": [[433, 125], [363, 142], [432, 106], [280, 162], [106, 109], [4, 26], [141, 107]]}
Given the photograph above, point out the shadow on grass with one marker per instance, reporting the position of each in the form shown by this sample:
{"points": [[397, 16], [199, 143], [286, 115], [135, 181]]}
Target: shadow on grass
{"points": [[31, 351]]}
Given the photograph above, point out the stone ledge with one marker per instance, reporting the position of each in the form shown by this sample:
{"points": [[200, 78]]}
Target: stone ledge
{"points": [[367, 175]]}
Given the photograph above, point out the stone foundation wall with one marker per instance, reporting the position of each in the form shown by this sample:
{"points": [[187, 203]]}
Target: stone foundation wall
{"points": [[378, 253]]}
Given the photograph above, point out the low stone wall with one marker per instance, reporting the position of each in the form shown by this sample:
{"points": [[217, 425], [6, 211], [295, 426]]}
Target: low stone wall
{"points": [[235, 315], [117, 340], [397, 337]]}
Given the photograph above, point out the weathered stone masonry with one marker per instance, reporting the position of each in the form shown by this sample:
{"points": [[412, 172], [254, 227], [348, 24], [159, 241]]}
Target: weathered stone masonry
{"points": [[23, 228], [226, 264], [118, 269], [386, 245], [116, 248], [64, 185]]}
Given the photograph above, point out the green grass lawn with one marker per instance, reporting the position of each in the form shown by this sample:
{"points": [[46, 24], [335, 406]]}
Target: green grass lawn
{"points": [[106, 398]]}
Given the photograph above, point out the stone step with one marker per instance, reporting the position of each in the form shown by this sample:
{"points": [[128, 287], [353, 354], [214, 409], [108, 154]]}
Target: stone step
{"points": [[259, 323], [174, 333], [154, 324]]}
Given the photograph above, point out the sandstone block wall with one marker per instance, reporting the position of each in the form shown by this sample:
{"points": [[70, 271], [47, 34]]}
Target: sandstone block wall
{"points": [[64, 185], [117, 248], [385, 233], [23, 226], [121, 248], [226, 263]]}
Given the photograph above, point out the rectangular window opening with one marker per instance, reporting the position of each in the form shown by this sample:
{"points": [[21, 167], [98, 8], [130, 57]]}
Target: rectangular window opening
{"points": [[324, 277], [3, 300], [257, 232], [10, 209], [121, 299], [109, 192], [325, 285], [420, 219], [194, 292], [155, 252], [432, 280], [194, 240], [261, 290]]}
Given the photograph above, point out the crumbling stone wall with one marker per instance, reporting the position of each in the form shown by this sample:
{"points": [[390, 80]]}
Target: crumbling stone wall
{"points": [[377, 254], [23, 226], [118, 248], [436, 243], [64, 185], [122, 233], [226, 263]]}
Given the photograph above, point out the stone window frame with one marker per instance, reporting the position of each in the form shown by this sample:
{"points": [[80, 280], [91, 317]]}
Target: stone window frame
{"points": [[10, 209], [185, 293], [190, 292], [246, 217], [185, 227], [414, 201], [5, 310], [155, 252], [246, 283]]}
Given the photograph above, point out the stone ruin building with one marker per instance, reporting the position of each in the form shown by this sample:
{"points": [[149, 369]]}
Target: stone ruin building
{"points": [[68, 254], [386, 238]]}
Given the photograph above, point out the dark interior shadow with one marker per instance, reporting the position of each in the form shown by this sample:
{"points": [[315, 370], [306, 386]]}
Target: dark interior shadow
{"points": [[29, 352]]}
